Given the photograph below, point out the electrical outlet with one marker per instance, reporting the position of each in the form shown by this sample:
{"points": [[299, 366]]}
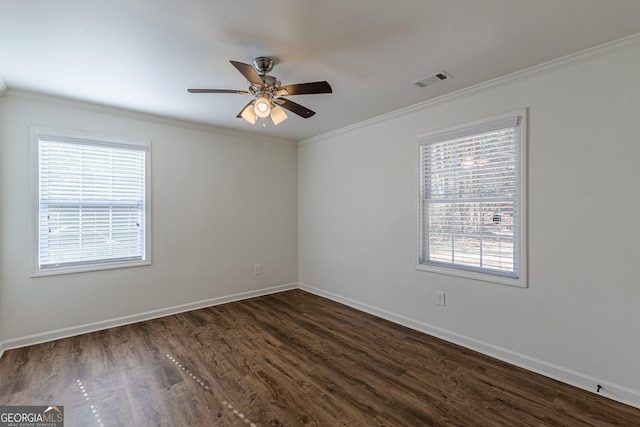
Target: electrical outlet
{"points": [[440, 298], [257, 269]]}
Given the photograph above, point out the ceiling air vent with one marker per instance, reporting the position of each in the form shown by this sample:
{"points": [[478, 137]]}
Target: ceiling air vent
{"points": [[429, 80]]}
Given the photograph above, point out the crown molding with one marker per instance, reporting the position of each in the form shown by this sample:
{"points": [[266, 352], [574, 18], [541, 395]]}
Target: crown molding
{"points": [[136, 115], [586, 55]]}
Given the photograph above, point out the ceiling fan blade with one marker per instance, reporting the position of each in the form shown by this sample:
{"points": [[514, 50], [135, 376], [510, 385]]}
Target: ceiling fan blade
{"points": [[306, 88], [298, 109], [239, 92], [248, 72], [247, 113]]}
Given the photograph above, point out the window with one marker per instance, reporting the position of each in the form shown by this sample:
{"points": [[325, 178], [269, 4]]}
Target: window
{"points": [[471, 204], [91, 198]]}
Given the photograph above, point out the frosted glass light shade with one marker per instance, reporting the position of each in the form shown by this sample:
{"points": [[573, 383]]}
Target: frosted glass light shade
{"points": [[249, 115], [262, 107], [278, 115]]}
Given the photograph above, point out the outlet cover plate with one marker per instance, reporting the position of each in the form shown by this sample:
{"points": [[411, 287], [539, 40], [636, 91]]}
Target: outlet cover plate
{"points": [[440, 298]]}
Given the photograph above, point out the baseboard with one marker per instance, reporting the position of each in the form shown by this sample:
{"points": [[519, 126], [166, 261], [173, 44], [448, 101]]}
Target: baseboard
{"points": [[127, 320], [612, 391], [577, 379]]}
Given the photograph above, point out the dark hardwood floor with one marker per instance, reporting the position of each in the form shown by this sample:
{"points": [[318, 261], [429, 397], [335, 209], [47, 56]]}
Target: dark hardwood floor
{"points": [[289, 359]]}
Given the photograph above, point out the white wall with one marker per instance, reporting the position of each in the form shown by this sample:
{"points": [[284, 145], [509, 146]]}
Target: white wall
{"points": [[221, 202], [579, 318]]}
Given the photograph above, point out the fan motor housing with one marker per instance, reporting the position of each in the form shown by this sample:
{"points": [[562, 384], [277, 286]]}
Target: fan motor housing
{"points": [[270, 81]]}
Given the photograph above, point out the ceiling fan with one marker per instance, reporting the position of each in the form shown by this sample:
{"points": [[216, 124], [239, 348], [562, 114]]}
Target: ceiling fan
{"points": [[268, 93]]}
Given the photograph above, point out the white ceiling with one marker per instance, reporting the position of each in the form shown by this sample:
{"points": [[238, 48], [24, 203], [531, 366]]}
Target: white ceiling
{"points": [[142, 55]]}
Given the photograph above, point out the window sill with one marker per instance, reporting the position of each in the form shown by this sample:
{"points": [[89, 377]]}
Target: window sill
{"points": [[87, 268], [474, 275]]}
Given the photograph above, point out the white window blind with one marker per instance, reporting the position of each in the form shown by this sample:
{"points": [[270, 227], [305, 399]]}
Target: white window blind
{"points": [[470, 198], [91, 202]]}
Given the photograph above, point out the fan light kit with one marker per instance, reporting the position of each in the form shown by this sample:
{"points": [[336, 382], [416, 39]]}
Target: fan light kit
{"points": [[268, 93]]}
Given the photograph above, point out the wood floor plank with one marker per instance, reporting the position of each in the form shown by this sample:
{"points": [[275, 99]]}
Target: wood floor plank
{"points": [[288, 359]]}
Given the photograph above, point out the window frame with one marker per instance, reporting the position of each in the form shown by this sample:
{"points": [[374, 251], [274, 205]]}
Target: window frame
{"points": [[36, 134], [485, 275]]}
